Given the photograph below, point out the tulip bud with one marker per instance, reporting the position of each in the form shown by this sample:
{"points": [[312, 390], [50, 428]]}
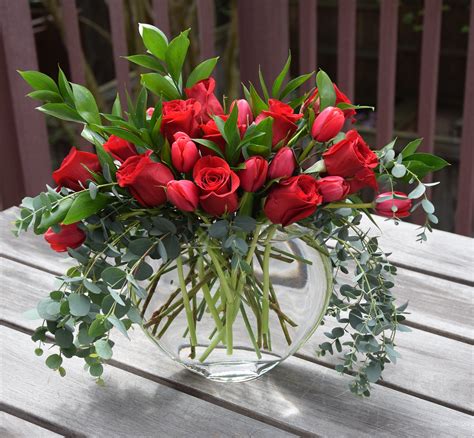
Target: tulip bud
{"points": [[328, 124], [183, 194], [283, 164], [184, 152], [70, 236], [149, 112], [333, 188], [393, 207], [245, 116], [254, 175]]}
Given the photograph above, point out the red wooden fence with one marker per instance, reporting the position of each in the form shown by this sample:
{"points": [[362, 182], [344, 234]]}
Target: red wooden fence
{"points": [[23, 133]]}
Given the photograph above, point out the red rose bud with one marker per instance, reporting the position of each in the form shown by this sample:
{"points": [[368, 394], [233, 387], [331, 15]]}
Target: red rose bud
{"points": [[327, 124], [74, 169], [70, 236], [180, 115], [283, 164], [119, 148], [284, 119], [183, 194], [245, 116], [313, 102], [403, 205], [349, 156], [333, 188], [184, 152], [203, 92], [292, 199], [218, 185], [145, 179], [254, 175]]}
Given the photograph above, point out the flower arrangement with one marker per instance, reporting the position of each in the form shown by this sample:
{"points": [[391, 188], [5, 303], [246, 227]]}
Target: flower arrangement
{"points": [[184, 210]]}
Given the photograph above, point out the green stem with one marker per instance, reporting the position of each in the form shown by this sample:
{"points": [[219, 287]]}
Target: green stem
{"points": [[349, 205], [266, 279], [187, 307], [250, 331], [306, 151]]}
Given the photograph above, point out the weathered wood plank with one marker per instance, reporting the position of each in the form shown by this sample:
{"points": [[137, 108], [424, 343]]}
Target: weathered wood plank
{"points": [[128, 406], [435, 303], [14, 427], [444, 255], [346, 46], [432, 366]]}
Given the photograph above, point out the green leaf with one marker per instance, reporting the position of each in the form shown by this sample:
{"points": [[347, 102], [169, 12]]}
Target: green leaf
{"points": [[327, 95], [201, 71], [280, 78], [428, 206], [210, 145], [118, 324], [176, 54], [373, 371], [54, 361], [399, 170], [140, 246], [294, 84], [258, 105], [263, 85], [103, 349], [126, 135], [83, 207], [48, 219], [117, 107], [140, 108], [411, 148], [97, 328], [45, 95], [418, 191], [105, 159], [39, 81], [134, 315], [160, 85], [63, 338], [154, 40], [114, 277], [96, 370], [79, 305], [61, 111], [231, 132], [65, 87], [147, 61], [85, 104]]}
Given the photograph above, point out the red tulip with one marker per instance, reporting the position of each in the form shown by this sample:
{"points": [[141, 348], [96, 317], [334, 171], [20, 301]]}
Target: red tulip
{"points": [[245, 116], [333, 188], [402, 203], [254, 175], [183, 194], [283, 164], [70, 236], [184, 152], [327, 124]]}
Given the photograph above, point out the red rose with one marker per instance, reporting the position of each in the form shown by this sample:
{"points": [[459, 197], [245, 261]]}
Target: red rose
{"points": [[362, 179], [184, 152], [180, 115], [283, 164], [254, 175], [145, 178], [203, 92], [292, 199], [218, 185], [74, 170], [283, 120], [183, 194], [327, 124], [313, 101], [119, 148], [70, 236], [212, 133], [333, 188], [245, 116], [403, 205], [349, 156]]}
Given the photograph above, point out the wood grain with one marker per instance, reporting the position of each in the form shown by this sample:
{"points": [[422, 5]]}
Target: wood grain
{"points": [[14, 427], [129, 405], [305, 390]]}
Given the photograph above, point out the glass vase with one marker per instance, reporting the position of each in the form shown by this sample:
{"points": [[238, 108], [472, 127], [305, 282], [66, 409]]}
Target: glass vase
{"points": [[279, 299]]}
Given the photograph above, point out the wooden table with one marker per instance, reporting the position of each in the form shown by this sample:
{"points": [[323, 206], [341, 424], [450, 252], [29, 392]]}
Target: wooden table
{"points": [[428, 394]]}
